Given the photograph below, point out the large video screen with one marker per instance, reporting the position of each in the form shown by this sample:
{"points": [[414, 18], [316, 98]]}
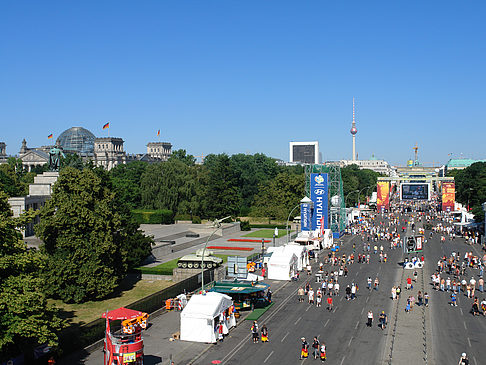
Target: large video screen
{"points": [[415, 191]]}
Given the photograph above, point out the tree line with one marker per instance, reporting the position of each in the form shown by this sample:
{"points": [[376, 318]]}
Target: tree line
{"points": [[91, 239], [471, 188]]}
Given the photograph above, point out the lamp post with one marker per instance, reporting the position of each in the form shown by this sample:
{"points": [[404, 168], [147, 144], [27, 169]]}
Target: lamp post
{"points": [[305, 200], [217, 226], [469, 197], [346, 198], [484, 236]]}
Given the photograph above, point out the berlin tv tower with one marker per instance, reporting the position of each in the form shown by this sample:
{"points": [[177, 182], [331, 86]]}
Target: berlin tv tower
{"points": [[353, 132]]}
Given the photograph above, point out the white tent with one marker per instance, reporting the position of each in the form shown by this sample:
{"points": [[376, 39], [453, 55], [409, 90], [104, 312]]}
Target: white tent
{"points": [[282, 265], [198, 317], [300, 252]]}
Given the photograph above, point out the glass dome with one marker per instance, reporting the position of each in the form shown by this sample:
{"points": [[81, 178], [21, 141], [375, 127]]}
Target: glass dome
{"points": [[77, 139]]}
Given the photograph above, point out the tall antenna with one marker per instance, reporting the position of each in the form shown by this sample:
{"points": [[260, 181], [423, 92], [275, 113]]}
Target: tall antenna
{"points": [[353, 131]]}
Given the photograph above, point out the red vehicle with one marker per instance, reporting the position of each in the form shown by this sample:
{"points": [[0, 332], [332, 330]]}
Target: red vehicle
{"points": [[123, 339]]}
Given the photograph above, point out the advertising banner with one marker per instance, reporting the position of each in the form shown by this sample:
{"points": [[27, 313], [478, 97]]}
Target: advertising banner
{"points": [[383, 196], [305, 217], [448, 196], [320, 197]]}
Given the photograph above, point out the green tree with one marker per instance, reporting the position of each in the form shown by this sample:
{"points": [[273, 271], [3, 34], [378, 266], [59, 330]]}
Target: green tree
{"points": [[88, 236], [182, 156], [277, 197], [471, 188], [127, 182], [250, 172], [220, 196], [169, 185], [363, 180], [26, 320]]}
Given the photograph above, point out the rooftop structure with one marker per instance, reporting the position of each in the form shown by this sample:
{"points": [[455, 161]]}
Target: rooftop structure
{"points": [[353, 132], [77, 139], [304, 152], [460, 163]]}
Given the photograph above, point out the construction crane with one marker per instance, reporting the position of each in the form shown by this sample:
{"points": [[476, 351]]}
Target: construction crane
{"points": [[416, 151], [202, 157]]}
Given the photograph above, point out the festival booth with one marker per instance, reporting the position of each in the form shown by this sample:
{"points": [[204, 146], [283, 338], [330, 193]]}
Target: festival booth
{"points": [[123, 338], [282, 265], [202, 315], [245, 295], [300, 252]]}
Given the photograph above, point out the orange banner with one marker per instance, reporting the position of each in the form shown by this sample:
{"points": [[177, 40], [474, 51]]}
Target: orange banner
{"points": [[448, 196], [383, 195]]}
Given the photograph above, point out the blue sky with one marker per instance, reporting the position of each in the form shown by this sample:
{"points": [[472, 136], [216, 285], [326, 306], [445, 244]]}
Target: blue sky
{"points": [[248, 76]]}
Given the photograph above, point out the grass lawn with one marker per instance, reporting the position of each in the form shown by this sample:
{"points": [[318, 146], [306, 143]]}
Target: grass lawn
{"points": [[129, 291], [266, 233], [167, 267]]}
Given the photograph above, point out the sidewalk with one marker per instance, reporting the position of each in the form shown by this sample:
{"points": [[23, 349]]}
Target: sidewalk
{"points": [[407, 340], [158, 347]]}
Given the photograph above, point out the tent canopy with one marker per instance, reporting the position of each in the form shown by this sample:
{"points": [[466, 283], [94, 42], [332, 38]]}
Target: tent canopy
{"points": [[239, 287], [282, 258], [122, 314], [206, 306]]}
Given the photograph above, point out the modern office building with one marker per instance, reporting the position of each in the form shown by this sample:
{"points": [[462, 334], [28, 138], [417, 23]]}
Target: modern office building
{"points": [[304, 152]]}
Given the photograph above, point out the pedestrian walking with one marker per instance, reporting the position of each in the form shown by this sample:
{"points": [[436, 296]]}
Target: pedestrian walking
{"points": [[323, 352], [383, 320], [264, 334], [370, 319], [315, 348], [255, 332], [329, 303], [304, 351]]}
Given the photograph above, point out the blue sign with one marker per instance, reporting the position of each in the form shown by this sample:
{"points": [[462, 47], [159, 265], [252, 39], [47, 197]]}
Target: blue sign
{"points": [[320, 196], [305, 217]]}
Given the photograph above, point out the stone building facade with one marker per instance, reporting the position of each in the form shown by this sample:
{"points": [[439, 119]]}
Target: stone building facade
{"points": [[160, 151], [108, 152]]}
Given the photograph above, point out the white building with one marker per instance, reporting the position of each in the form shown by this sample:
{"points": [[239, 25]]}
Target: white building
{"points": [[159, 150], [304, 152], [108, 152], [380, 166]]}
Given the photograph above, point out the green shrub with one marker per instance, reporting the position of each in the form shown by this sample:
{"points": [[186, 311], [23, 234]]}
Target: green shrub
{"points": [[245, 226], [196, 219], [182, 217], [279, 226], [147, 216]]}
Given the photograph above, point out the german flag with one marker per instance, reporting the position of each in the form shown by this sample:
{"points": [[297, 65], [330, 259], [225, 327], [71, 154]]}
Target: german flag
{"points": [[106, 126], [49, 136], [158, 133]]}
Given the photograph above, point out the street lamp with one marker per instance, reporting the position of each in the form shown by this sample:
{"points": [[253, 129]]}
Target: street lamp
{"points": [[345, 199], [469, 197], [366, 187], [217, 226], [305, 200]]}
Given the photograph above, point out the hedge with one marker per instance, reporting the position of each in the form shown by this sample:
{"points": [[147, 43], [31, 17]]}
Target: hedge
{"points": [[146, 216], [279, 226]]}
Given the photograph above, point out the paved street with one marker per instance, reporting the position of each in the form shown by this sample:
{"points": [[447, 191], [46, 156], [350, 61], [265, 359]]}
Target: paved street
{"points": [[433, 335]]}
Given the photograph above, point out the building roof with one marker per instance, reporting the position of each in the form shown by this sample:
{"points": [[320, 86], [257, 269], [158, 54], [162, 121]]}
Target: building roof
{"points": [[77, 139], [462, 162]]}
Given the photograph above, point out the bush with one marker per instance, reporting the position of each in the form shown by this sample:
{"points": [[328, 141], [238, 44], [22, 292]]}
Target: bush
{"points": [[182, 217], [146, 216], [279, 226], [196, 219], [245, 226]]}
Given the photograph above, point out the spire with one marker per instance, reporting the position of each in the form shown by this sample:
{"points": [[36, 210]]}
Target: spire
{"points": [[353, 131]]}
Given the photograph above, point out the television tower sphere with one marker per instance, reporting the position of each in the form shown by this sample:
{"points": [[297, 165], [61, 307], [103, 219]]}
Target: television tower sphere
{"points": [[353, 130]]}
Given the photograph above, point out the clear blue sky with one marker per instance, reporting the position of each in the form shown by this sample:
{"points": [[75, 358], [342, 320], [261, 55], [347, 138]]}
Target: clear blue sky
{"points": [[248, 76]]}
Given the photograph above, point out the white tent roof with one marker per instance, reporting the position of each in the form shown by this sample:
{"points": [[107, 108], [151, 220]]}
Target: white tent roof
{"points": [[282, 257], [207, 306], [295, 248]]}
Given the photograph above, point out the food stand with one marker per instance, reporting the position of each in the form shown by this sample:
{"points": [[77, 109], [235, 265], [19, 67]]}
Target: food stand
{"points": [[245, 295], [124, 345]]}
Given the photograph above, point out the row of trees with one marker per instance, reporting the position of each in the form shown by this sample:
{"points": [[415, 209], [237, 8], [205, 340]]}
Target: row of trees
{"points": [[91, 241], [471, 187], [224, 185]]}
